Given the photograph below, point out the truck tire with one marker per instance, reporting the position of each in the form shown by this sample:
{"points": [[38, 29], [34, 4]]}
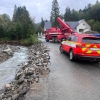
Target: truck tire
{"points": [[61, 49], [53, 39], [61, 40], [71, 55], [56, 40], [47, 40]]}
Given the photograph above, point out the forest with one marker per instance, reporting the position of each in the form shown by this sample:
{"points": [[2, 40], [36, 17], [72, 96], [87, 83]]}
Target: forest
{"points": [[91, 13], [23, 28]]}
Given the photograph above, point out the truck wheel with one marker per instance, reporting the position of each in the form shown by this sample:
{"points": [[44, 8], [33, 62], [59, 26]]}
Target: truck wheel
{"points": [[47, 40], [71, 55], [61, 40], [61, 49], [56, 40], [53, 39]]}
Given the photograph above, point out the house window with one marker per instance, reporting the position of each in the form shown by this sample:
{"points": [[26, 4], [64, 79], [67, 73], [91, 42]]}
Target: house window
{"points": [[80, 30]]}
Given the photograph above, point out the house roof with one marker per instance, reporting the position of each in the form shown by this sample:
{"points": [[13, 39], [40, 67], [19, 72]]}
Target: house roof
{"points": [[73, 24], [47, 25]]}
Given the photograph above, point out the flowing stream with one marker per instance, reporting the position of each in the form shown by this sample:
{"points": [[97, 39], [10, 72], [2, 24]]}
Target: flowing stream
{"points": [[9, 67]]}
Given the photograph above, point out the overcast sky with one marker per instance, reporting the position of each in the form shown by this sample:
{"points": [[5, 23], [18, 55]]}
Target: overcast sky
{"points": [[41, 8]]}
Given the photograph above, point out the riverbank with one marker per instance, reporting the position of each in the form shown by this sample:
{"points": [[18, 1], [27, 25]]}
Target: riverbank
{"points": [[38, 59], [7, 51]]}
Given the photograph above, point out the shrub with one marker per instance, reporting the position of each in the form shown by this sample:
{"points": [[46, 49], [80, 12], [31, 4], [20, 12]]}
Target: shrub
{"points": [[29, 41]]}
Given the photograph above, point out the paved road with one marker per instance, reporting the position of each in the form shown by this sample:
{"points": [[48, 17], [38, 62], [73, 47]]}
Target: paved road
{"points": [[68, 80]]}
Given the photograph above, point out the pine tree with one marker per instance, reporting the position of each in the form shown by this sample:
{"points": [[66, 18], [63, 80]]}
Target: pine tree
{"points": [[42, 23], [2, 27], [22, 24], [54, 13], [14, 15], [74, 15], [67, 15]]}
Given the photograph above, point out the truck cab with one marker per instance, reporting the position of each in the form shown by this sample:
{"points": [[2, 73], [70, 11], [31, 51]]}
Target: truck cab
{"points": [[57, 34]]}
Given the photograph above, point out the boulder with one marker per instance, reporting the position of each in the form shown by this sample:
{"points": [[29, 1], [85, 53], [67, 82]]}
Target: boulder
{"points": [[15, 96], [8, 51]]}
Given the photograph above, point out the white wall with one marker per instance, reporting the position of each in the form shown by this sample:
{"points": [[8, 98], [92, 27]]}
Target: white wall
{"points": [[44, 28], [75, 30], [83, 25]]}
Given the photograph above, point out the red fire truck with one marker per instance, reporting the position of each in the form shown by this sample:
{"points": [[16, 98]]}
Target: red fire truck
{"points": [[58, 34]]}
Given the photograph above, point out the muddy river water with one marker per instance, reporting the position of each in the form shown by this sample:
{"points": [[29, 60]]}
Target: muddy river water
{"points": [[9, 68]]}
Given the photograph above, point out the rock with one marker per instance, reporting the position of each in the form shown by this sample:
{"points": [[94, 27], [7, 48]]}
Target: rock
{"points": [[43, 72], [14, 82], [35, 76], [25, 84], [4, 99], [19, 89], [21, 80], [29, 73], [39, 64], [28, 88], [23, 91], [13, 88], [29, 62], [37, 80], [21, 97], [46, 50], [4, 96], [26, 69], [8, 51], [30, 81], [18, 75], [25, 80], [8, 85], [45, 64], [9, 98], [15, 92], [15, 96], [9, 94], [0, 96], [24, 64], [31, 69]]}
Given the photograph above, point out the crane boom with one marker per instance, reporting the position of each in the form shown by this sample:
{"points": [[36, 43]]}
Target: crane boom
{"points": [[64, 25]]}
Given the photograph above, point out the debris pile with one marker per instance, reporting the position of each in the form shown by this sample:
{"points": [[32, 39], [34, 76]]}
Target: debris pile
{"points": [[28, 74]]}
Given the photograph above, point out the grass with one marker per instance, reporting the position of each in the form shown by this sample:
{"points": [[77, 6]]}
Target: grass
{"points": [[6, 39], [25, 42], [29, 41]]}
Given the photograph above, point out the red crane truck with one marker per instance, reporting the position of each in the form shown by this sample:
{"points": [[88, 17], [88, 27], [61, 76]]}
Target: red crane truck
{"points": [[58, 34]]}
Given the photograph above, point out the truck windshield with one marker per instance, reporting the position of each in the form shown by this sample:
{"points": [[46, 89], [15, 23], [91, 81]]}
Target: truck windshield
{"points": [[91, 40]]}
